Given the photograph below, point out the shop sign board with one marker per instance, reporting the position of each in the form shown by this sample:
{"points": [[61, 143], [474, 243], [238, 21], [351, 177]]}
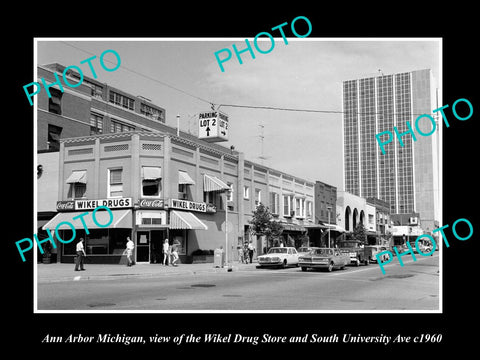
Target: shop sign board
{"points": [[192, 206], [213, 126], [151, 203], [114, 203]]}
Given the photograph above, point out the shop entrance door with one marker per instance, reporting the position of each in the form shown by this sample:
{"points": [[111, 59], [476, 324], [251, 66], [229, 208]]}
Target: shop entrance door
{"points": [[156, 242], [143, 246]]}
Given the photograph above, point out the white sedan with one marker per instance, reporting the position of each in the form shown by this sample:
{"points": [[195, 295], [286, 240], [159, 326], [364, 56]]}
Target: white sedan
{"points": [[279, 256]]}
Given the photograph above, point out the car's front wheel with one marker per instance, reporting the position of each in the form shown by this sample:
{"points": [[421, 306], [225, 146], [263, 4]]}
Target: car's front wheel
{"points": [[284, 264], [330, 267]]}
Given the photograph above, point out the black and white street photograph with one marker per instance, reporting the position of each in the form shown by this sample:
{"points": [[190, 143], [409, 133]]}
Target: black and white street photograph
{"points": [[186, 185], [221, 182]]}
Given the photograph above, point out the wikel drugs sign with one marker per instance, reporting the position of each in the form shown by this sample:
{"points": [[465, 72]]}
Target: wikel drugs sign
{"points": [[117, 203], [191, 206]]}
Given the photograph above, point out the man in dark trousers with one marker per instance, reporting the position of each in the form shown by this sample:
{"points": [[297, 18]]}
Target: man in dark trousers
{"points": [[80, 255]]}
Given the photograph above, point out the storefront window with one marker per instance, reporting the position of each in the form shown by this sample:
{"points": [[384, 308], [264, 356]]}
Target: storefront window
{"points": [[97, 242]]}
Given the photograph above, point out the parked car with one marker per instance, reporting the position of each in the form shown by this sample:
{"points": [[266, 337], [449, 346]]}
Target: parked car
{"points": [[304, 250], [279, 257], [324, 258], [358, 253], [376, 249]]}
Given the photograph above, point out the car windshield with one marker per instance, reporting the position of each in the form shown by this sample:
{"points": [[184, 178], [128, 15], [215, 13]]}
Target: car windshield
{"points": [[277, 251], [322, 252], [303, 249]]}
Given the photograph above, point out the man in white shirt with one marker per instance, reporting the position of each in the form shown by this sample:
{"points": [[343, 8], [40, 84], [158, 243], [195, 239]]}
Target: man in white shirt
{"points": [[80, 255], [130, 246]]}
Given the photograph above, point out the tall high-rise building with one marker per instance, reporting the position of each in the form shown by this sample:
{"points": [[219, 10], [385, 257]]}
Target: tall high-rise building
{"points": [[407, 176]]}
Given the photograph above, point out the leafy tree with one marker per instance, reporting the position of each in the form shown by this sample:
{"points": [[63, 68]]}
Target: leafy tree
{"points": [[264, 224], [359, 233]]}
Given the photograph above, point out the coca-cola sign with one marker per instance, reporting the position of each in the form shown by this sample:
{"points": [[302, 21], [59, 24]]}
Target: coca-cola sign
{"points": [[65, 205], [151, 203]]}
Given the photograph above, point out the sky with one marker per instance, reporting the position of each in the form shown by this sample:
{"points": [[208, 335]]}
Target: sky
{"points": [[182, 76]]}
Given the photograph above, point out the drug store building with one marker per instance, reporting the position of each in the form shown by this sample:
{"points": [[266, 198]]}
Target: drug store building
{"points": [[158, 186]]}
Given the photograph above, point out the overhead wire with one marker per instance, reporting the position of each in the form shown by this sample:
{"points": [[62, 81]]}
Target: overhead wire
{"points": [[213, 104]]}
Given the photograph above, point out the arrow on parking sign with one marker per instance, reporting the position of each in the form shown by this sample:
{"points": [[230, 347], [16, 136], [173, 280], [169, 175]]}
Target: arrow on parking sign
{"points": [[208, 131]]}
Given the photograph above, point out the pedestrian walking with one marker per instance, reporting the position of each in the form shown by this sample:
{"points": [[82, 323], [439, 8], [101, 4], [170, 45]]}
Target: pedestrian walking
{"points": [[245, 252], [251, 250], [240, 254], [129, 249], [80, 256], [174, 255], [166, 251]]}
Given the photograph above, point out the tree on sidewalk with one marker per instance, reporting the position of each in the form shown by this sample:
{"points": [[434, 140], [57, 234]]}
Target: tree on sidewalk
{"points": [[264, 224], [360, 234]]}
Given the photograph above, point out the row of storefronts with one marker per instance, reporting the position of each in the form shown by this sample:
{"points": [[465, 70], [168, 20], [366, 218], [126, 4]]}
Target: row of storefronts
{"points": [[159, 187]]}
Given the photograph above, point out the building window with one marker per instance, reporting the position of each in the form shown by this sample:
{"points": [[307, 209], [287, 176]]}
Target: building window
{"points": [[96, 124], [287, 205], [151, 181], [116, 126], [122, 100], [309, 210], [96, 90], [299, 208], [152, 112], [77, 191], [230, 193], [53, 140], [115, 188], [246, 192], [55, 101], [274, 203], [258, 196], [214, 198], [182, 191]]}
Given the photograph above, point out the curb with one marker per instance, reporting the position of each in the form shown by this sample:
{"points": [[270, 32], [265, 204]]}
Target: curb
{"points": [[139, 275]]}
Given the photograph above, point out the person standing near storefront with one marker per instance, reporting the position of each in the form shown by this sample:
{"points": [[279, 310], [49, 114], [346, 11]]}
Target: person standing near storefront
{"points": [[166, 251], [174, 254], [130, 247], [80, 255], [251, 250]]}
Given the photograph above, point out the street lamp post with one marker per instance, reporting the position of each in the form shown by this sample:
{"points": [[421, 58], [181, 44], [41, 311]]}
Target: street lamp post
{"points": [[329, 208], [226, 228], [178, 124]]}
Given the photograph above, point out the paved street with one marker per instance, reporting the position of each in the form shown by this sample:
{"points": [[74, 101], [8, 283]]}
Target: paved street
{"points": [[412, 287]]}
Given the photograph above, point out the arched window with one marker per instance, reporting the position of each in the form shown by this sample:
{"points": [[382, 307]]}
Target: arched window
{"points": [[347, 218], [354, 220]]}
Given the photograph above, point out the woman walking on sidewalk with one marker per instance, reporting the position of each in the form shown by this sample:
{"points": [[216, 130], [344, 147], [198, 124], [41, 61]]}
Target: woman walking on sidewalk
{"points": [[129, 249], [166, 251]]}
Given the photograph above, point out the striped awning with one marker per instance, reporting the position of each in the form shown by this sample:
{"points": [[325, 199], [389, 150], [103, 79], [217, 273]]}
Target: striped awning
{"points": [[121, 219], [212, 183], [184, 178], [151, 173], [185, 220], [77, 177]]}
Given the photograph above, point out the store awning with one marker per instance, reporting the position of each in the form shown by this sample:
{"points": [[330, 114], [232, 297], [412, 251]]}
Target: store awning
{"points": [[293, 227], [212, 183], [121, 219], [77, 177], [184, 178], [185, 220], [334, 227], [151, 173], [315, 226]]}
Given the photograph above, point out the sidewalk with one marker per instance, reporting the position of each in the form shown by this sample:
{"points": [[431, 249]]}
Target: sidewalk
{"points": [[65, 272]]}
